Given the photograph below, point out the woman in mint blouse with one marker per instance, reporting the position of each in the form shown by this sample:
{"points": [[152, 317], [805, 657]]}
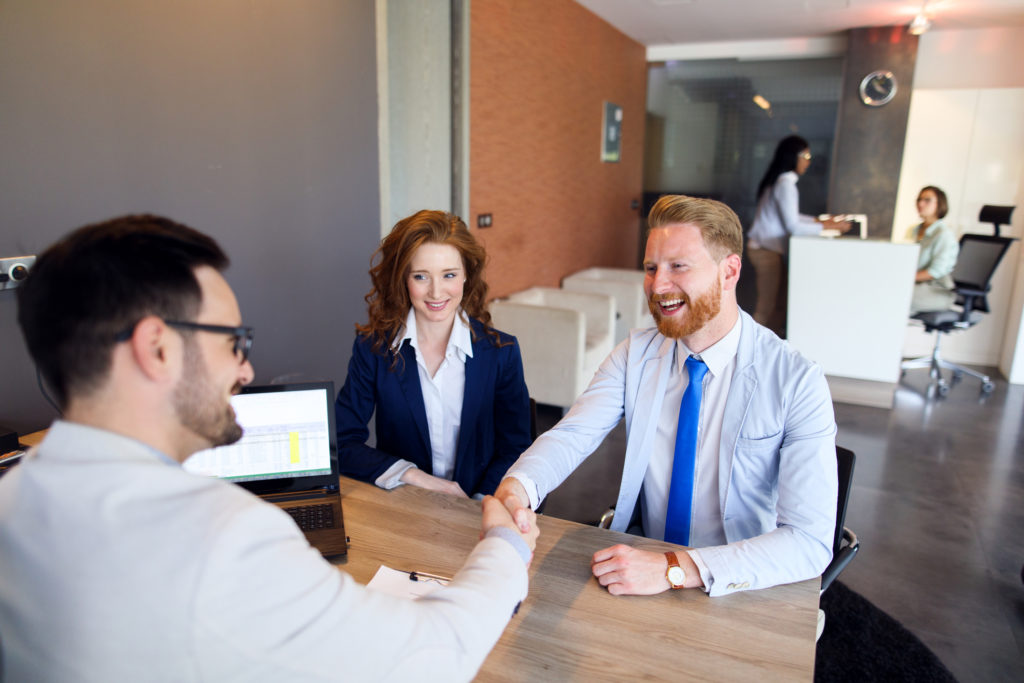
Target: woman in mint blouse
{"points": [[933, 284]]}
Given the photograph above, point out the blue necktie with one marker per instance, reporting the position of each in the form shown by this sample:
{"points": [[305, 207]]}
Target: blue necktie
{"points": [[680, 493]]}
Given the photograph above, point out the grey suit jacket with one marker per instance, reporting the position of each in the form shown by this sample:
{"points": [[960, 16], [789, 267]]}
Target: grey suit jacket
{"points": [[118, 566], [777, 462]]}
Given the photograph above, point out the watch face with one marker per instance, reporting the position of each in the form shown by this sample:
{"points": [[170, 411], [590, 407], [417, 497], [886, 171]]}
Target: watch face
{"points": [[676, 575]]}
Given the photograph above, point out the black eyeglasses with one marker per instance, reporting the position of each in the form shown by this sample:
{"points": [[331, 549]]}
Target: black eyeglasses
{"points": [[243, 335]]}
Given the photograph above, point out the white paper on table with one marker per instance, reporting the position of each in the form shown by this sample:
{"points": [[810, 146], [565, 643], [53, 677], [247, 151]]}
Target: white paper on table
{"points": [[400, 584]]}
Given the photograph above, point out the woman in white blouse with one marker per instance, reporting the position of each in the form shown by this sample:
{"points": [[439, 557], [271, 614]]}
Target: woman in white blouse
{"points": [[778, 216], [445, 388]]}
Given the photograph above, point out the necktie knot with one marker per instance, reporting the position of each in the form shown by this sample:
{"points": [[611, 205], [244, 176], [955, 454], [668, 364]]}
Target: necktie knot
{"points": [[696, 369]]}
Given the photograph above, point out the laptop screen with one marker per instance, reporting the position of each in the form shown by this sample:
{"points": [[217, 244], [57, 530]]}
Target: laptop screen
{"points": [[288, 441]]}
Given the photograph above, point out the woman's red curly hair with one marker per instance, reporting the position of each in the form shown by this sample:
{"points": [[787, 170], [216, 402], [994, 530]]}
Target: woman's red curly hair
{"points": [[388, 301]]}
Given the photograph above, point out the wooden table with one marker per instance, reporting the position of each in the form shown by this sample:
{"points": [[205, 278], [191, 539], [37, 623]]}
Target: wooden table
{"points": [[569, 627]]}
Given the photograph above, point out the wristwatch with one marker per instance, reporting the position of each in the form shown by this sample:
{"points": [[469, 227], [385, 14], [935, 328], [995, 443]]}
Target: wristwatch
{"points": [[675, 574]]}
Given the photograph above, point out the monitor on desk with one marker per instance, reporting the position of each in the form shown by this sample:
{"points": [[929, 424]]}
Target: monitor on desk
{"points": [[289, 442], [288, 456]]}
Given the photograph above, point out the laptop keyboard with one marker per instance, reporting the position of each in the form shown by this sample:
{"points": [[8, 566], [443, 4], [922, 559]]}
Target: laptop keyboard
{"points": [[311, 517]]}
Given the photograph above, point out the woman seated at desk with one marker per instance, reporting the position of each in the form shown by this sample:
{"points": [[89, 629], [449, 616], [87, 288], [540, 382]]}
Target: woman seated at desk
{"points": [[933, 284], [452, 408], [778, 216]]}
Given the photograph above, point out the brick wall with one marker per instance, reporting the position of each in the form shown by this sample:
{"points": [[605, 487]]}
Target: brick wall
{"points": [[540, 71]]}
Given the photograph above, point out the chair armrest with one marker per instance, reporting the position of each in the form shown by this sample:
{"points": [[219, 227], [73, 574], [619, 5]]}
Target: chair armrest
{"points": [[840, 559]]}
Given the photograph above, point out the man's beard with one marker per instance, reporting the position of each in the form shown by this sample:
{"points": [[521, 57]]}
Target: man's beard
{"points": [[697, 313], [197, 404]]}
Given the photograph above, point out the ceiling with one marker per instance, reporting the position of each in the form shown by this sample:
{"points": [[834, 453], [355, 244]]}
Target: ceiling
{"points": [[670, 22]]}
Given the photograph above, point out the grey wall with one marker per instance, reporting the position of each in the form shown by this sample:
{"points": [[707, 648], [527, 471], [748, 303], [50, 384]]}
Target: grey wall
{"points": [[255, 122], [869, 140]]}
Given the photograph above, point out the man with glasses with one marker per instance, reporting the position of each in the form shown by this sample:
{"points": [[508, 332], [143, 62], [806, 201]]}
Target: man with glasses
{"points": [[116, 564]]}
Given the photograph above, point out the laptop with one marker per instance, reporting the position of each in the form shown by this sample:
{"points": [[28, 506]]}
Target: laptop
{"points": [[288, 456]]}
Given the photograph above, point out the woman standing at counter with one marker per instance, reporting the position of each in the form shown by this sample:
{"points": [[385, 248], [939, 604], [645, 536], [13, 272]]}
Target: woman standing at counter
{"points": [[452, 409], [933, 285], [778, 216]]}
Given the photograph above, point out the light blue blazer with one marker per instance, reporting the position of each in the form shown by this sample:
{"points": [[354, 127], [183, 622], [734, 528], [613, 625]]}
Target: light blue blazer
{"points": [[777, 463]]}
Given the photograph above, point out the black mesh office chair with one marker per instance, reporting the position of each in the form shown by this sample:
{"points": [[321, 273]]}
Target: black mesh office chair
{"points": [[972, 278]]}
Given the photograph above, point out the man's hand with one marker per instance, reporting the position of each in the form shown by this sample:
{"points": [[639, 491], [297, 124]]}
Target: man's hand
{"points": [[515, 499], [496, 514], [629, 571], [417, 477]]}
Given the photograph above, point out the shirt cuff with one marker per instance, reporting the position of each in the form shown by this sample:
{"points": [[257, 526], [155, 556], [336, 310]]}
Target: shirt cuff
{"points": [[531, 488], [512, 537], [702, 569], [392, 477]]}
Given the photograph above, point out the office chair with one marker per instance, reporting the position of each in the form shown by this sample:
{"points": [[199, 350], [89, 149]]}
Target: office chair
{"points": [[998, 216], [972, 278], [844, 543]]}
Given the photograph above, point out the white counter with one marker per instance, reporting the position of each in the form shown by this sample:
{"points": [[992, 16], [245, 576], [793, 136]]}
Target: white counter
{"points": [[849, 300]]}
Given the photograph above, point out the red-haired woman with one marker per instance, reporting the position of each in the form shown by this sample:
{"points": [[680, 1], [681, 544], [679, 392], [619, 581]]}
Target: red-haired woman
{"points": [[452, 408]]}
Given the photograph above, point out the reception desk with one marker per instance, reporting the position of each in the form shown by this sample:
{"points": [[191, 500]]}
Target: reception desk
{"points": [[849, 301]]}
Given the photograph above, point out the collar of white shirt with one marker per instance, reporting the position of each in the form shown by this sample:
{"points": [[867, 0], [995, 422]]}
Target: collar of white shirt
{"points": [[460, 342], [717, 356]]}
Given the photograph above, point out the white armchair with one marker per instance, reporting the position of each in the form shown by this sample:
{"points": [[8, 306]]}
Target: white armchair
{"points": [[625, 286], [563, 336]]}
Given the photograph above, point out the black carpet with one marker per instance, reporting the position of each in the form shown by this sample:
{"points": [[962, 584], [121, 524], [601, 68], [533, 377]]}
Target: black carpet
{"points": [[863, 643]]}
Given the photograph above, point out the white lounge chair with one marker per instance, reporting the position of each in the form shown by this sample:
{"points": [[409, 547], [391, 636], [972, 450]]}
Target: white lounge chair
{"points": [[564, 336], [625, 286]]}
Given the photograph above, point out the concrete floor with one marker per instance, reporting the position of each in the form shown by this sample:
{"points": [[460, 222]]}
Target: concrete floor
{"points": [[938, 505]]}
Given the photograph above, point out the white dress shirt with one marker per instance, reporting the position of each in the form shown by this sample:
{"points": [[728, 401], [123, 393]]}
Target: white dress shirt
{"points": [[706, 516], [442, 399], [778, 216]]}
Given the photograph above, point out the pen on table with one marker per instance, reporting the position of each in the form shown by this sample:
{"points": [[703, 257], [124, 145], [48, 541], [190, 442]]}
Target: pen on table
{"points": [[424, 576]]}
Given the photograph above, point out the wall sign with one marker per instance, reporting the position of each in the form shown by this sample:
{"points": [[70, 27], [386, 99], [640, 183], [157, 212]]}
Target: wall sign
{"points": [[611, 134]]}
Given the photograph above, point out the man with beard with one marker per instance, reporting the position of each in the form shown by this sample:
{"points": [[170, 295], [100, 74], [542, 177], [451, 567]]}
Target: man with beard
{"points": [[730, 434], [117, 565]]}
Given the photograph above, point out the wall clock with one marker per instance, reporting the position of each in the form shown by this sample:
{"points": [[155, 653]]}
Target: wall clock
{"points": [[877, 88]]}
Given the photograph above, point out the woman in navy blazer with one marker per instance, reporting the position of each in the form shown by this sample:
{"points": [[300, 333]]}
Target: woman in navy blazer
{"points": [[452, 408]]}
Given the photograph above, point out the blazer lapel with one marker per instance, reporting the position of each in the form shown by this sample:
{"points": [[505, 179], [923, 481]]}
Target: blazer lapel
{"points": [[476, 366], [641, 428], [737, 404], [409, 380]]}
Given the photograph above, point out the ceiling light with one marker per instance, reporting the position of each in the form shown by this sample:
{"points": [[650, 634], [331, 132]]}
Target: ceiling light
{"points": [[919, 25], [762, 102], [921, 22]]}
